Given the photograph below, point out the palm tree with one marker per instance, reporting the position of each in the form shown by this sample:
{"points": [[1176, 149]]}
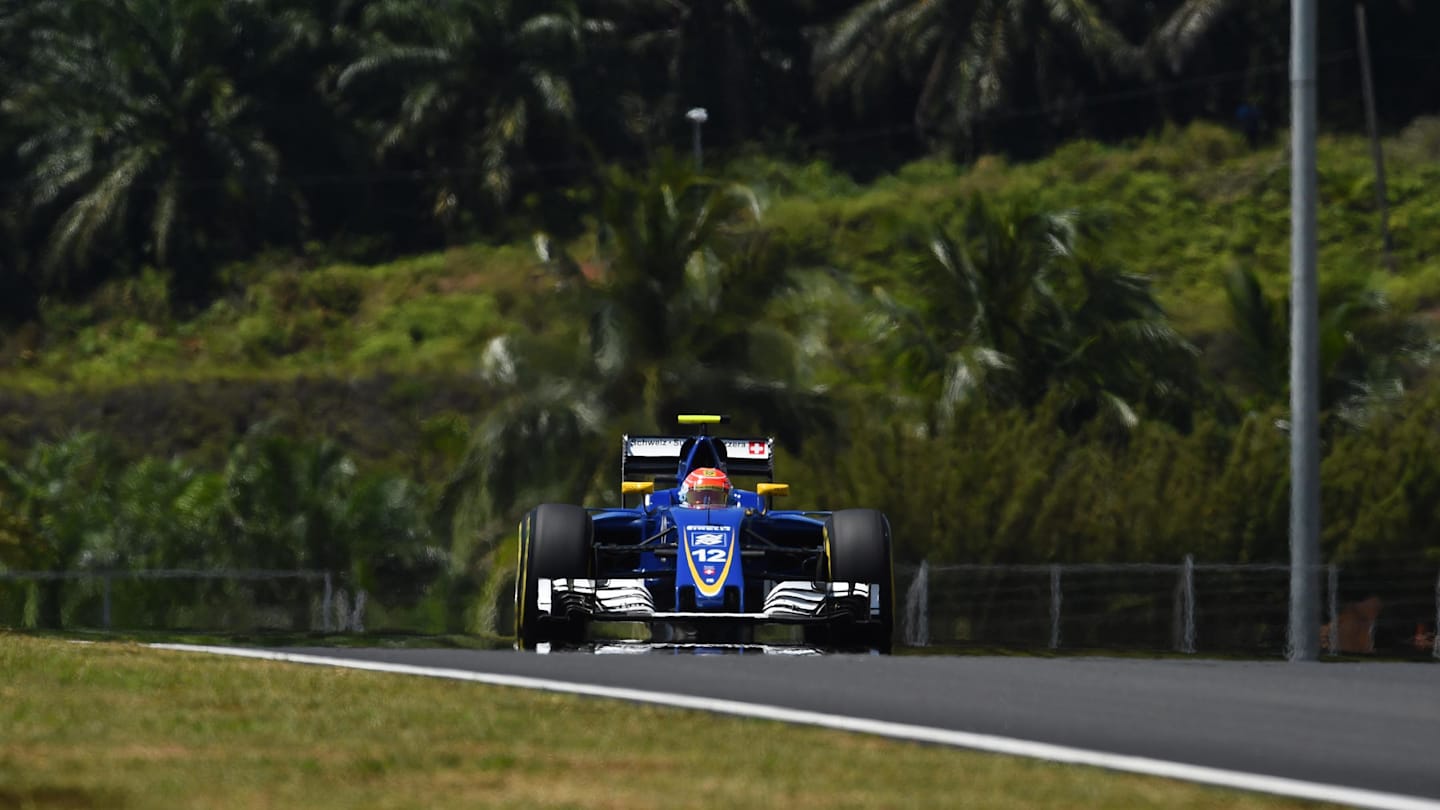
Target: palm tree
{"points": [[462, 89], [669, 323], [59, 507], [963, 55], [139, 142], [970, 333], [17, 297], [288, 55], [308, 503], [1010, 313], [1261, 329], [744, 60], [1123, 356], [1368, 353], [167, 515], [671, 318], [1178, 34], [288, 502], [305, 504]]}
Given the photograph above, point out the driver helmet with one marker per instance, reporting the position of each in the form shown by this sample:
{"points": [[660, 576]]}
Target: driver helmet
{"points": [[705, 486]]}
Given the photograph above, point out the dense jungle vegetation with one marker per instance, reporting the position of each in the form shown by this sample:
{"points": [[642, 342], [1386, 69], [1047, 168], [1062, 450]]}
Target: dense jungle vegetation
{"points": [[349, 285]]}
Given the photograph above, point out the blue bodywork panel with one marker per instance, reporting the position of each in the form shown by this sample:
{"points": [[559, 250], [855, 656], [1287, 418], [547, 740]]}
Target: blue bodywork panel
{"points": [[704, 559]]}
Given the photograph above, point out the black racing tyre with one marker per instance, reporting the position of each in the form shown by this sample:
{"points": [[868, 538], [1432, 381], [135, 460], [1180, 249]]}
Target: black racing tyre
{"points": [[857, 549], [556, 542]]}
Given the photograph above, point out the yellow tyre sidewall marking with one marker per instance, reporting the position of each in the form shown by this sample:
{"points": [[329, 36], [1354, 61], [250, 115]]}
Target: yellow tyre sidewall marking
{"points": [[522, 567]]}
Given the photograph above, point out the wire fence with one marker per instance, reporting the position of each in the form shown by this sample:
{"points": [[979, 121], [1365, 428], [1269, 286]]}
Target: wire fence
{"points": [[1186, 607], [229, 600]]}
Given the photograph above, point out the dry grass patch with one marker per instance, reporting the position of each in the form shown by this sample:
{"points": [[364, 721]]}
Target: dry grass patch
{"points": [[120, 725]]}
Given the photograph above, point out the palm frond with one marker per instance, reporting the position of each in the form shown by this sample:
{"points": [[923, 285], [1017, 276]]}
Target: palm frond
{"points": [[554, 93], [78, 228], [167, 206], [1178, 35], [1097, 37], [391, 60]]}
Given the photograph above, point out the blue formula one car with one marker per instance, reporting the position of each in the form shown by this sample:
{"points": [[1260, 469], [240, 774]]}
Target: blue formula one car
{"points": [[698, 559]]}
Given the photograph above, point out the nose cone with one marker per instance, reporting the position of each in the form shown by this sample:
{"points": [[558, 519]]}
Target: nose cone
{"points": [[709, 554]]}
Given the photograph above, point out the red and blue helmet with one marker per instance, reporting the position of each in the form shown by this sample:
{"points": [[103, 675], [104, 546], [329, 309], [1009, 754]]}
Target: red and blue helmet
{"points": [[705, 487]]}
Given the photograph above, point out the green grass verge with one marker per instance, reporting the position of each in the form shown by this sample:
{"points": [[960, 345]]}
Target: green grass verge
{"points": [[120, 725]]}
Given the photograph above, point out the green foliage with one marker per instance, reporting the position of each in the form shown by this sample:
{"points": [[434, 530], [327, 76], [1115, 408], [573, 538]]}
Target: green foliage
{"points": [[1019, 382], [1368, 353], [424, 313], [1186, 209], [965, 51], [304, 505], [1009, 311], [1007, 487], [61, 497], [59, 504], [279, 504], [462, 83], [501, 379], [137, 125]]}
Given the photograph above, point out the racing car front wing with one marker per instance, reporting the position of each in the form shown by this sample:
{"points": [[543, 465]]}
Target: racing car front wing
{"points": [[786, 602]]}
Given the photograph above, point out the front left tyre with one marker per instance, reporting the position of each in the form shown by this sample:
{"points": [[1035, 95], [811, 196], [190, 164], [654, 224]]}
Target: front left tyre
{"points": [[556, 542]]}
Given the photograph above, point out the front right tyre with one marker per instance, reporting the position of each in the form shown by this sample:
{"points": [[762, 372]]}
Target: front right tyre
{"points": [[556, 542]]}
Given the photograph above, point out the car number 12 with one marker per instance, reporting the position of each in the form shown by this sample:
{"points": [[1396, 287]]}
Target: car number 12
{"points": [[708, 555]]}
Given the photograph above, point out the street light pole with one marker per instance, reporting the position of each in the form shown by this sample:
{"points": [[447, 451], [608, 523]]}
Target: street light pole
{"points": [[1304, 641], [698, 117]]}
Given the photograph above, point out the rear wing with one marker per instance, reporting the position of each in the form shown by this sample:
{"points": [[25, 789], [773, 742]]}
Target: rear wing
{"points": [[665, 455]]}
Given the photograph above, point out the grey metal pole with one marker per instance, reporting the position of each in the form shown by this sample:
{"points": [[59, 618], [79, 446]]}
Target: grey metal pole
{"points": [[105, 610], [1334, 609], [1377, 155], [1187, 641], [1304, 343], [1435, 639], [699, 156]]}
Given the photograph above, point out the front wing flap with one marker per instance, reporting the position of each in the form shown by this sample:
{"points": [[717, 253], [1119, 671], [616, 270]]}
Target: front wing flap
{"points": [[787, 602]]}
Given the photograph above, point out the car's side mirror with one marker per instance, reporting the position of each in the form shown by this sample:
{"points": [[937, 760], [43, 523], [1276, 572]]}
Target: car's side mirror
{"points": [[641, 488], [768, 490]]}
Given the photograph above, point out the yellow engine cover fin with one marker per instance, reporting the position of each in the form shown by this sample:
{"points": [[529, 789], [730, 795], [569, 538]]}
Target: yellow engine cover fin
{"points": [[766, 488], [637, 487]]}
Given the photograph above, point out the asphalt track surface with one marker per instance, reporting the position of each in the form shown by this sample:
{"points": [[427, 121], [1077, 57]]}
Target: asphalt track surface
{"points": [[1374, 726]]}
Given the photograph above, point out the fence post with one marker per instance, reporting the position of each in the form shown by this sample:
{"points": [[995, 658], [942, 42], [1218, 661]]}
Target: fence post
{"points": [[342, 610], [1333, 607], [1055, 598], [1187, 604], [325, 605], [917, 608], [357, 622], [105, 602]]}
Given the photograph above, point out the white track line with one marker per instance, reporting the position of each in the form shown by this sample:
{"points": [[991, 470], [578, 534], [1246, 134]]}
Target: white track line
{"points": [[1240, 780]]}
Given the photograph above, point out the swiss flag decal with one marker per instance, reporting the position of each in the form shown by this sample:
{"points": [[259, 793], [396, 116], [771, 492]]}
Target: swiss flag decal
{"points": [[757, 448]]}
